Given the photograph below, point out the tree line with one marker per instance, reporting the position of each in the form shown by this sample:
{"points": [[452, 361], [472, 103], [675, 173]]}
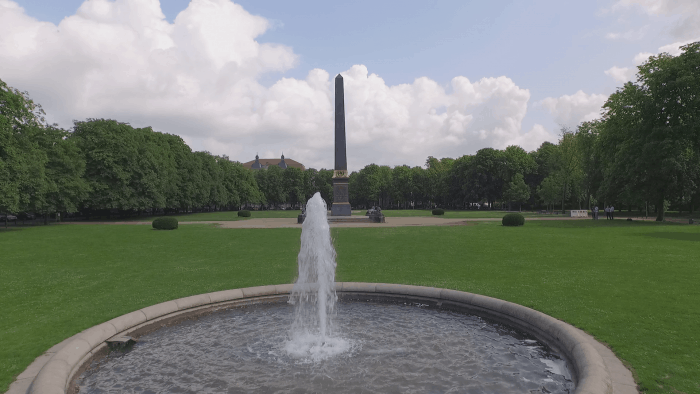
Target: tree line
{"points": [[643, 153]]}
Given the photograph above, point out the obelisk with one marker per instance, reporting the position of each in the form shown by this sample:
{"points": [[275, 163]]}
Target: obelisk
{"points": [[341, 200]]}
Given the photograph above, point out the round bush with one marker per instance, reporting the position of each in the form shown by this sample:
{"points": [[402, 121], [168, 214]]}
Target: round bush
{"points": [[244, 214], [438, 211], [513, 219], [165, 223]]}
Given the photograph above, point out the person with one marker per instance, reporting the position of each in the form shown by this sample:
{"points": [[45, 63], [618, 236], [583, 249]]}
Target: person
{"points": [[607, 212], [612, 212], [595, 212]]}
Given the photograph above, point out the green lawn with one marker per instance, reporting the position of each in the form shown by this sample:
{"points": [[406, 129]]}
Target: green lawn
{"points": [[632, 285]]}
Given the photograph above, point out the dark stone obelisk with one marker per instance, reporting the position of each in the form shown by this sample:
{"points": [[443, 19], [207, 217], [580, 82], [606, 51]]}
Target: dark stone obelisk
{"points": [[341, 200]]}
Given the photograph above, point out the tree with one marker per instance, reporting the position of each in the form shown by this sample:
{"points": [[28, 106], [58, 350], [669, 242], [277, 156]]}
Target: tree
{"points": [[110, 150], [66, 188], [566, 165], [402, 184], [294, 185], [22, 161], [517, 161], [487, 175], [271, 183], [650, 130], [549, 191], [589, 158], [517, 190]]}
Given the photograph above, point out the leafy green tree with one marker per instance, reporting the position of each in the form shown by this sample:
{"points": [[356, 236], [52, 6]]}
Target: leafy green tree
{"points": [[517, 161], [294, 185], [459, 177], [323, 183], [566, 166], [247, 187], [271, 183], [649, 134], [420, 184], [229, 182], [22, 161], [402, 184], [66, 188], [486, 178], [517, 190], [549, 191], [111, 151], [366, 186], [385, 185], [589, 158]]}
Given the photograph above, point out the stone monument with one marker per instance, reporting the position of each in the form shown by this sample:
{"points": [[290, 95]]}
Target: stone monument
{"points": [[341, 199]]}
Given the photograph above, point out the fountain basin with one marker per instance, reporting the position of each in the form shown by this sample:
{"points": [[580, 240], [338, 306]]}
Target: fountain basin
{"points": [[589, 369]]}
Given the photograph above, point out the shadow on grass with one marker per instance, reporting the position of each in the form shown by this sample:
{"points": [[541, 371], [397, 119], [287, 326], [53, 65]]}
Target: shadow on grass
{"points": [[677, 236]]}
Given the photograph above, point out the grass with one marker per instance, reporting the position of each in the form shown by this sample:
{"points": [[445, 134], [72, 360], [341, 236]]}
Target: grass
{"points": [[632, 285]]}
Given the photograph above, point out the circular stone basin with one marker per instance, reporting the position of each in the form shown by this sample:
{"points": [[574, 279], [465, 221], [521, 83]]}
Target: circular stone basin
{"points": [[395, 347]]}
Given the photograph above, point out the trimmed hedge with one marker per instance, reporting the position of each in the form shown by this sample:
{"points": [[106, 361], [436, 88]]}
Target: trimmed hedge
{"points": [[165, 223], [513, 219], [244, 214], [438, 211]]}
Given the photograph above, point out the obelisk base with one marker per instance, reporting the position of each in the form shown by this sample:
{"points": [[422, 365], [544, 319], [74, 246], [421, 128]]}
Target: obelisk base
{"points": [[341, 199]]}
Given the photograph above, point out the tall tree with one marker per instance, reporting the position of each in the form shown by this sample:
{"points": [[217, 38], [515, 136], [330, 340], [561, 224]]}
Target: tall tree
{"points": [[22, 160], [652, 130], [402, 181], [566, 166], [517, 190], [66, 187]]}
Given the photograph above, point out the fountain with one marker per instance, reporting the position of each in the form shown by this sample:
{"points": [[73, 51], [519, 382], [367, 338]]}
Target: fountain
{"points": [[313, 344], [314, 294]]}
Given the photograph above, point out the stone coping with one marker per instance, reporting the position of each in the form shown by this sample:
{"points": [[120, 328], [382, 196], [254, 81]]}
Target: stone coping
{"points": [[595, 367]]}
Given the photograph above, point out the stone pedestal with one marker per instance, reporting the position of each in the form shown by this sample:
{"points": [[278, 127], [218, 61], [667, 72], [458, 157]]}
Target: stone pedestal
{"points": [[341, 199]]}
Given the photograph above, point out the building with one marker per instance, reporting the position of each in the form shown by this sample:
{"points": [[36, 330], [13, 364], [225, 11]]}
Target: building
{"points": [[283, 163]]}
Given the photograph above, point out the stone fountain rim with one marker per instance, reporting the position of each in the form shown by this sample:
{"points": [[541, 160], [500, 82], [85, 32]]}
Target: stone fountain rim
{"points": [[65, 365]]}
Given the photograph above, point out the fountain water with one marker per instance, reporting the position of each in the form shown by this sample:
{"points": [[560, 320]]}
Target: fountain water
{"points": [[385, 346], [313, 295]]}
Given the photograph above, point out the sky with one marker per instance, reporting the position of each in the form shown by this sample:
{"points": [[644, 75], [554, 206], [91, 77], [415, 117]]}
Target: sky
{"points": [[440, 79]]}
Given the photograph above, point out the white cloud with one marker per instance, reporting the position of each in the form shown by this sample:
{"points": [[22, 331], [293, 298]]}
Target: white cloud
{"points": [[630, 35], [534, 138], [684, 14], [621, 74], [674, 49], [198, 78], [625, 74], [571, 110]]}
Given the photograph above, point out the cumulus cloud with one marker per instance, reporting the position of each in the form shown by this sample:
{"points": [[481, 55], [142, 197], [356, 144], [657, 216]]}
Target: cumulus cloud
{"points": [[198, 77], [625, 74], [570, 110], [685, 14], [620, 74]]}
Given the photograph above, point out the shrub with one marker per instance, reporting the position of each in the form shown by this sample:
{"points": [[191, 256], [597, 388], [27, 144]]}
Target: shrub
{"points": [[165, 223], [244, 214], [513, 219], [438, 211]]}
